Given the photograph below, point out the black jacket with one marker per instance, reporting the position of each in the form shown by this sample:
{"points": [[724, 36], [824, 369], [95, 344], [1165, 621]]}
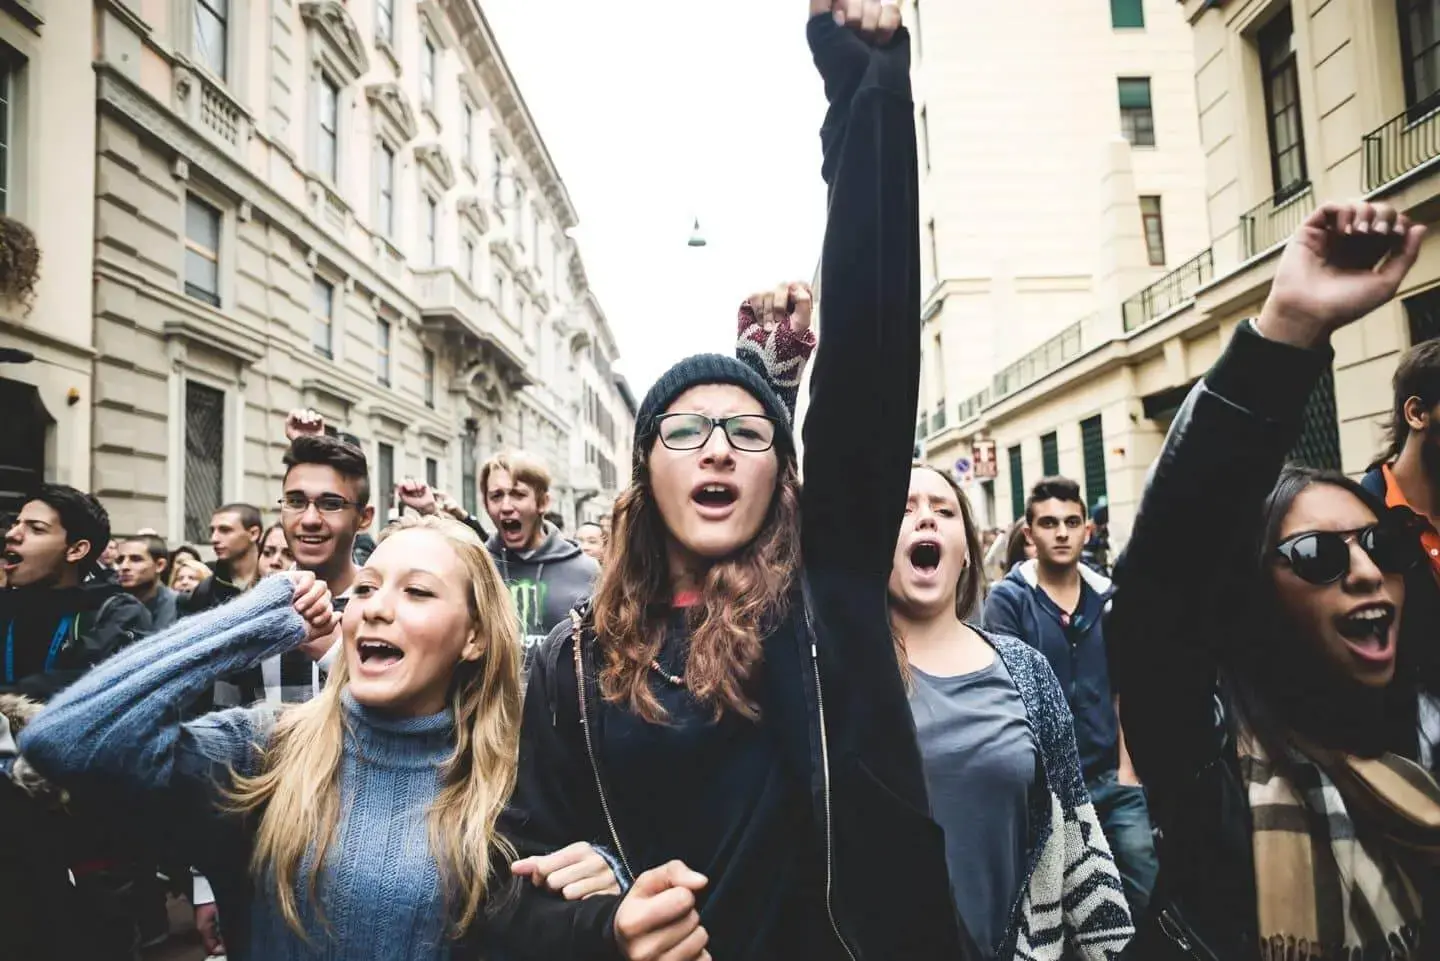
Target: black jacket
{"points": [[102, 619], [890, 892], [1172, 587]]}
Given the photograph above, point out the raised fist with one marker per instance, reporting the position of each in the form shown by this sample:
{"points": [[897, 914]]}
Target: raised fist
{"points": [[875, 20], [302, 423], [311, 600], [791, 303], [416, 496], [1345, 260]]}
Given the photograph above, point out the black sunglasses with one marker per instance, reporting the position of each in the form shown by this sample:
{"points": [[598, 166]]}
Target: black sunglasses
{"points": [[1323, 557]]}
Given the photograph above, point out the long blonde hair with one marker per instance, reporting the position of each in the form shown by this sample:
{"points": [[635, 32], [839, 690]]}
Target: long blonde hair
{"points": [[297, 790]]}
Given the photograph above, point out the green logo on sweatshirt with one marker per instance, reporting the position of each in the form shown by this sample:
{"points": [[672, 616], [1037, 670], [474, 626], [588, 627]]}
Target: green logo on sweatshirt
{"points": [[529, 599]]}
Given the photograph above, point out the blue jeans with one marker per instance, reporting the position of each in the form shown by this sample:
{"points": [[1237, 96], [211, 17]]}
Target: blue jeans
{"points": [[1125, 818]]}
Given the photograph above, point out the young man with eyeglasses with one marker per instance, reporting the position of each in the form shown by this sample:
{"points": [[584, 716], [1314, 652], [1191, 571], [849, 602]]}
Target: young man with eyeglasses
{"points": [[1056, 604]]}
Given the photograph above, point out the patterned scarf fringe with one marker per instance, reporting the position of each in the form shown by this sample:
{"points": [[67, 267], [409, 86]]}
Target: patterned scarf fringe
{"points": [[1402, 945]]}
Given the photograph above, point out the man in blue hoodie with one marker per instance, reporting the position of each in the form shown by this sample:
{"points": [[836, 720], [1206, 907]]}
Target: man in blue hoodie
{"points": [[1056, 605], [546, 573]]}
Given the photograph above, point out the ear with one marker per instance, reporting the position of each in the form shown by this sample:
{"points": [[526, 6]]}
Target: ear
{"points": [[544, 502], [367, 516], [474, 649], [1416, 416], [75, 553], [161, 565], [255, 534]]}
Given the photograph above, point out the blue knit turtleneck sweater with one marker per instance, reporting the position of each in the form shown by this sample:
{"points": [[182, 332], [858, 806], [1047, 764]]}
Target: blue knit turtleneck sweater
{"points": [[117, 730]]}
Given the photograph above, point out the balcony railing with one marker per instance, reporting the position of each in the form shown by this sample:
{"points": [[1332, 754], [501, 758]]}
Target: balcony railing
{"points": [[1051, 355], [1273, 221], [1169, 292], [1401, 145], [971, 406], [206, 104]]}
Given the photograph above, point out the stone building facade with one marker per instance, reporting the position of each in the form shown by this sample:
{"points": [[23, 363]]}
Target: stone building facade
{"points": [[344, 206]]}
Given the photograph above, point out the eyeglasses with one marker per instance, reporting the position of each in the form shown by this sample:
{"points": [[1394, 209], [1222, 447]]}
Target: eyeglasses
{"points": [[747, 432], [325, 503], [1323, 557]]}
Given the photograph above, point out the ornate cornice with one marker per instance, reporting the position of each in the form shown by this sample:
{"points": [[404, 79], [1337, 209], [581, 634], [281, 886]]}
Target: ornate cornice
{"points": [[432, 155], [390, 100], [335, 27], [472, 208]]}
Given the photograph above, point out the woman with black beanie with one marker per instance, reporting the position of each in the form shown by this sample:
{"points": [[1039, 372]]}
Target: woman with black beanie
{"points": [[722, 702]]}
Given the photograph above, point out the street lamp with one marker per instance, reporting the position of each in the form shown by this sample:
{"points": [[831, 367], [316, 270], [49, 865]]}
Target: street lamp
{"points": [[697, 239]]}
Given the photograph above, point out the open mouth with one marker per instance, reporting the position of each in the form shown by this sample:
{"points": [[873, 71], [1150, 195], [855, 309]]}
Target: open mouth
{"points": [[1367, 629], [925, 556], [311, 540], [511, 527], [715, 495], [12, 558], [379, 653]]}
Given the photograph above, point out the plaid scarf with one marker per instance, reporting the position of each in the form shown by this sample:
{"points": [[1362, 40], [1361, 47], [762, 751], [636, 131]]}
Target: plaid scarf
{"points": [[1324, 893]]}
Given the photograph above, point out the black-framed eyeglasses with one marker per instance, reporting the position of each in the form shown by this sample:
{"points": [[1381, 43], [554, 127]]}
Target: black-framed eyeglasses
{"points": [[747, 432], [1323, 557], [325, 503]]}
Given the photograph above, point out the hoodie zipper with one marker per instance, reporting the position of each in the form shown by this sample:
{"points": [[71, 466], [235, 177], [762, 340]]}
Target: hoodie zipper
{"points": [[825, 768], [590, 750]]}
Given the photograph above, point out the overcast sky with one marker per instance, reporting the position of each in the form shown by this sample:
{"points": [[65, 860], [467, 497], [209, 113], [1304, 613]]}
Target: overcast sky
{"points": [[657, 111]]}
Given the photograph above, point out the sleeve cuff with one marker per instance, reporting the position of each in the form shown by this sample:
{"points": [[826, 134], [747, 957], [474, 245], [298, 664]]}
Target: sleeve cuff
{"points": [[1265, 377], [616, 867], [202, 894], [327, 660]]}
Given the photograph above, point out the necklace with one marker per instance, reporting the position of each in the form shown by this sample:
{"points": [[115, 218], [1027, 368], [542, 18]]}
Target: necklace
{"points": [[677, 679]]}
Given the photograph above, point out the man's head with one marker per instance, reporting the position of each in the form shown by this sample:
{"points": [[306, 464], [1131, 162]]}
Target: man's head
{"points": [[1055, 521], [326, 501], [517, 495], [591, 538], [1416, 414], [235, 532], [141, 563], [57, 539]]}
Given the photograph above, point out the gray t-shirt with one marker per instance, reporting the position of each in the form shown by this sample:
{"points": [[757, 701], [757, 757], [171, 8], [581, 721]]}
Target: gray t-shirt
{"points": [[981, 763]]}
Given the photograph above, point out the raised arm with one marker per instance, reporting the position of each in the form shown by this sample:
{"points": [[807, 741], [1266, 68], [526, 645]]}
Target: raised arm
{"points": [[1231, 436], [119, 726], [860, 423]]}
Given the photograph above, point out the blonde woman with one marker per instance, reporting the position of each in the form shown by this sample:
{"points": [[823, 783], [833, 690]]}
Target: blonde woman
{"points": [[187, 574], [360, 824]]}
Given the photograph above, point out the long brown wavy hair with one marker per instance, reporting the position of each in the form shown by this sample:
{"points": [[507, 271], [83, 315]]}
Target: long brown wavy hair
{"points": [[742, 596]]}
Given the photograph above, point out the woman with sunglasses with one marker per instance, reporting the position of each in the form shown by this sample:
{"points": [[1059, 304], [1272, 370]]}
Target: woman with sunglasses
{"points": [[1253, 646], [720, 702]]}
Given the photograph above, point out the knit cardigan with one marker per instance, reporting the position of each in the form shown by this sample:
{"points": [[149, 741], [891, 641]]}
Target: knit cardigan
{"points": [[1071, 904]]}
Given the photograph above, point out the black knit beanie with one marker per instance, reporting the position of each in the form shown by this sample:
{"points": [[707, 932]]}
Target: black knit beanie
{"points": [[706, 369]]}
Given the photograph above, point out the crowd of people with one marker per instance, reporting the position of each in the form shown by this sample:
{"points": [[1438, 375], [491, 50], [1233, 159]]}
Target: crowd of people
{"points": [[743, 717]]}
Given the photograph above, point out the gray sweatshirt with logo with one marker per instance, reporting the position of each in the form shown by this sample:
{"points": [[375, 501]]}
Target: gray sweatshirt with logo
{"points": [[544, 583]]}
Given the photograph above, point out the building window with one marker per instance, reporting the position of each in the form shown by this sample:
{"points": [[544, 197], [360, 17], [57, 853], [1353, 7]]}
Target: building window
{"points": [[468, 263], [432, 472], [467, 133], [1017, 482], [428, 58], [1282, 105], [202, 252], [1092, 447], [1420, 46], [429, 377], [934, 252], [1137, 118], [1154, 230], [8, 70], [916, 33], [327, 152], [535, 239], [1050, 454], [1127, 13], [322, 309], [499, 291], [925, 136], [1423, 313], [385, 190], [385, 21], [382, 351], [212, 38], [498, 160], [385, 486], [204, 458], [467, 472], [432, 230]]}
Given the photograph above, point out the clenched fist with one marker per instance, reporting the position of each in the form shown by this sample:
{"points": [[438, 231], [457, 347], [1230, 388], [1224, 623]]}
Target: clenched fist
{"points": [[303, 423], [311, 600], [875, 20], [658, 921]]}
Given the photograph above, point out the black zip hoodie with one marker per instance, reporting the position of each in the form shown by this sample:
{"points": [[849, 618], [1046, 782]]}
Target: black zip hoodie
{"points": [[102, 618], [877, 860]]}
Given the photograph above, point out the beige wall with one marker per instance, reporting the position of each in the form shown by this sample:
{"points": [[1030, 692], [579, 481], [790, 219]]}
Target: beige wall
{"points": [[1350, 67], [501, 326], [49, 177], [1035, 209]]}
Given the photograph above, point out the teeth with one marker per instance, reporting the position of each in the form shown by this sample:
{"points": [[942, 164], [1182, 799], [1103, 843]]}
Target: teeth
{"points": [[1373, 614]]}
